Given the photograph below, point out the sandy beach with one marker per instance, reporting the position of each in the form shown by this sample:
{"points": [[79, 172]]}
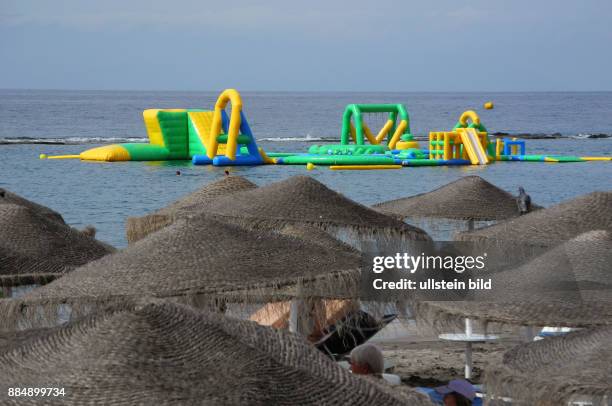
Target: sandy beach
{"points": [[424, 360]]}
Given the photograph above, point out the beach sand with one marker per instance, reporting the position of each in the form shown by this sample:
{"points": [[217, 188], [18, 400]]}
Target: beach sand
{"points": [[421, 359]]}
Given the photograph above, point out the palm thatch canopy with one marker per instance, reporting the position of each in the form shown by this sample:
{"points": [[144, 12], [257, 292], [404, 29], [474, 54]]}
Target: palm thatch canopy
{"points": [[35, 248], [304, 200], [139, 227], [205, 261], [468, 198], [7, 197], [569, 285], [553, 225], [316, 236], [17, 338], [579, 269], [556, 370], [168, 354]]}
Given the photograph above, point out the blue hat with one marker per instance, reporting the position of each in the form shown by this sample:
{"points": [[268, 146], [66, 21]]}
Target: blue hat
{"points": [[461, 386]]}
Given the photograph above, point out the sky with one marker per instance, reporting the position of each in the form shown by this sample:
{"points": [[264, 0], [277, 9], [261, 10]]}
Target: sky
{"points": [[314, 45]]}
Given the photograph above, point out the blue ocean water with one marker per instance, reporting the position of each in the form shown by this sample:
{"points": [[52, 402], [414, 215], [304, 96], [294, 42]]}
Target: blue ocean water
{"points": [[104, 194]]}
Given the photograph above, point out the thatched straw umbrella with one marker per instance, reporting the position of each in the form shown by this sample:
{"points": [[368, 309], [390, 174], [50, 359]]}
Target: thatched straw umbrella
{"points": [[579, 269], [320, 313], [7, 197], [36, 248], [167, 354], [316, 236], [471, 201], [304, 200], [569, 285], [468, 198], [203, 261], [196, 202], [556, 370], [18, 338], [553, 225]]}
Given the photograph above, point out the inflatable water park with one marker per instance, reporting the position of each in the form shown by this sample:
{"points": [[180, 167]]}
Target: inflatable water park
{"points": [[214, 137]]}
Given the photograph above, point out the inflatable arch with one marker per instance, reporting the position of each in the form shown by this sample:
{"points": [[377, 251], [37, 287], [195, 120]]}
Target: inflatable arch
{"points": [[360, 131], [203, 136]]}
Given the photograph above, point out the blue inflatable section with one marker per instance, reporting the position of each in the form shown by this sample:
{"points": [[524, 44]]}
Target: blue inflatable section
{"points": [[246, 154]]}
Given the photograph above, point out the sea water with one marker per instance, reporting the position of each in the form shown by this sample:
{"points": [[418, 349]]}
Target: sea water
{"points": [[104, 194]]}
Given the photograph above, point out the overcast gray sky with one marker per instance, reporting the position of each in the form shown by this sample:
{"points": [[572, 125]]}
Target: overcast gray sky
{"points": [[393, 45]]}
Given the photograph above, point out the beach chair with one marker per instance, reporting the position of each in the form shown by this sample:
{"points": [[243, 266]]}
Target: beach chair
{"points": [[352, 330], [552, 332]]}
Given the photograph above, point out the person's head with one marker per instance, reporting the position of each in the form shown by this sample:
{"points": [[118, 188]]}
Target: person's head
{"points": [[456, 399], [226, 172], [367, 359], [458, 392], [521, 190], [178, 173]]}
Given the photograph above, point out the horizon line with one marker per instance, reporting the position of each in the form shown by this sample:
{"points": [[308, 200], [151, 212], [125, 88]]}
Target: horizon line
{"points": [[300, 91]]}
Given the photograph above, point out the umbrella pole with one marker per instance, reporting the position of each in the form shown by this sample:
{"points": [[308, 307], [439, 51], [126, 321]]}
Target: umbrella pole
{"points": [[301, 317], [294, 315], [468, 360], [470, 225], [468, 349], [469, 338], [306, 317]]}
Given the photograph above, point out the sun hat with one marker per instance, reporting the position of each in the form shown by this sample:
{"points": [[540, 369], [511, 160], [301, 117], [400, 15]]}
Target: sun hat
{"points": [[460, 386]]}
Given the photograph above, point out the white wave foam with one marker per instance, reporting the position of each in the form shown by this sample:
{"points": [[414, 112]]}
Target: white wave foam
{"points": [[587, 136], [117, 140], [308, 138]]}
